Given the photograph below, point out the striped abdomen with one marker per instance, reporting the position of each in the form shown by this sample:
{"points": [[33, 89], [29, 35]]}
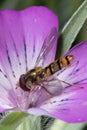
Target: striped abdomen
{"points": [[58, 64]]}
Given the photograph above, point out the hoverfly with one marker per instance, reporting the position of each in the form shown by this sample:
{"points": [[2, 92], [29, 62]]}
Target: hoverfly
{"points": [[40, 76]]}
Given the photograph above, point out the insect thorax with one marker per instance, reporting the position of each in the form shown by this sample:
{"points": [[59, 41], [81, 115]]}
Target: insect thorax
{"points": [[35, 75]]}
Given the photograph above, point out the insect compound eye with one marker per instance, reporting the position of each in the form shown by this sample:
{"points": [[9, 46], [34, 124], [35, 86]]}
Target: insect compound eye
{"points": [[22, 82]]}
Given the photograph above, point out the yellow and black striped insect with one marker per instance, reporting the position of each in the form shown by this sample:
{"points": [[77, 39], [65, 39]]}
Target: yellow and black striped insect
{"points": [[39, 75]]}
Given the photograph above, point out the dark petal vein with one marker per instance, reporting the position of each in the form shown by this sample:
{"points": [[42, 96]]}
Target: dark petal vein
{"points": [[25, 51]]}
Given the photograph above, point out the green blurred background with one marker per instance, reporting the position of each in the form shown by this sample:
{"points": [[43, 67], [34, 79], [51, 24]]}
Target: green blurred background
{"points": [[64, 9]]}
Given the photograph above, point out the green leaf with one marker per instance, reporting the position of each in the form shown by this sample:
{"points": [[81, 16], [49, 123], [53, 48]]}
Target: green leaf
{"points": [[72, 28], [61, 125], [82, 36], [12, 120], [31, 123], [78, 126], [58, 125]]}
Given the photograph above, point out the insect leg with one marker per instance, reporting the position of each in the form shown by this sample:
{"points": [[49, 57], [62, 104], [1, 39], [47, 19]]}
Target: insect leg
{"points": [[42, 85], [70, 84]]}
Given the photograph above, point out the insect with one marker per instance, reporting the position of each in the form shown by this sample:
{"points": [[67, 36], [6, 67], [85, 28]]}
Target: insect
{"points": [[39, 75]]}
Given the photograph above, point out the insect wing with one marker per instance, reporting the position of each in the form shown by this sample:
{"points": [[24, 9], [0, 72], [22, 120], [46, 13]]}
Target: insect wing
{"points": [[58, 83], [45, 91], [53, 86], [47, 45]]}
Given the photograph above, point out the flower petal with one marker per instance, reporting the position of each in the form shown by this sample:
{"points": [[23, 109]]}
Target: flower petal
{"points": [[70, 106], [22, 34], [7, 101], [37, 23], [76, 73]]}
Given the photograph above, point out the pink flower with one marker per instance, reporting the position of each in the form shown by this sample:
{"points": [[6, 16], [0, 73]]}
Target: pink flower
{"points": [[22, 35]]}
